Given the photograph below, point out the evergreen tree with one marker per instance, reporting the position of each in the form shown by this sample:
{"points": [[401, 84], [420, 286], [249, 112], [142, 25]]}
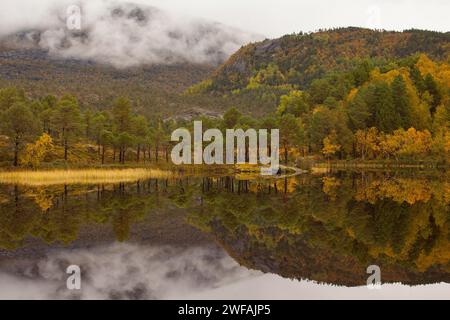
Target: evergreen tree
{"points": [[122, 114], [401, 101], [231, 118], [417, 78], [140, 132], [358, 113], [18, 123], [361, 73], [432, 87], [294, 103], [67, 119], [289, 130], [381, 106]]}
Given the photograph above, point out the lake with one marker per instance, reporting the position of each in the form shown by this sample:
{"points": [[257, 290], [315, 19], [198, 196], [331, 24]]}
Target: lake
{"points": [[309, 236]]}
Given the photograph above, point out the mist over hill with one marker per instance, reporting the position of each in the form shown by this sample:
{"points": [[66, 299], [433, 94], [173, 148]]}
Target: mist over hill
{"points": [[124, 35]]}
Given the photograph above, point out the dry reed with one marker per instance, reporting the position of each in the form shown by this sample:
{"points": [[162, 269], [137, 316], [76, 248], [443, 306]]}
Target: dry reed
{"points": [[84, 176]]}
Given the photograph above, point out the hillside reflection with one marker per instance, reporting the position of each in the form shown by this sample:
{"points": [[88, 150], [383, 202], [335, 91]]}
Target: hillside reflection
{"points": [[326, 228]]}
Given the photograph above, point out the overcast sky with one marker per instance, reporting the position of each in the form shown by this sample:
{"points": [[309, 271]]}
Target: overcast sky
{"points": [[274, 18]]}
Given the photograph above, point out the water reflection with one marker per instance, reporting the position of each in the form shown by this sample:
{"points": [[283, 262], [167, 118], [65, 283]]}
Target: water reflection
{"points": [[122, 271], [325, 228]]}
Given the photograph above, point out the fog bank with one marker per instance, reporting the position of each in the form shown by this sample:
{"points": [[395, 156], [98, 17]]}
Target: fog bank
{"points": [[119, 33]]}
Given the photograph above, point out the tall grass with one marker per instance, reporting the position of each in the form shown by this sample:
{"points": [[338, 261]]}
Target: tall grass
{"points": [[82, 176]]}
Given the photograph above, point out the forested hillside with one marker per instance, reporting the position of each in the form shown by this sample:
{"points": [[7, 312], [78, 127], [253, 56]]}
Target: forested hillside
{"points": [[350, 93], [299, 59], [155, 88]]}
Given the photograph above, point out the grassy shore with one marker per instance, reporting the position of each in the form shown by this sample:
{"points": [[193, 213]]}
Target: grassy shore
{"points": [[116, 173], [81, 176], [125, 173]]}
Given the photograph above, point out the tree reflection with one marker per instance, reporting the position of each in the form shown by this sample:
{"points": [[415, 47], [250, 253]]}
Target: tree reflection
{"points": [[331, 228], [323, 228]]}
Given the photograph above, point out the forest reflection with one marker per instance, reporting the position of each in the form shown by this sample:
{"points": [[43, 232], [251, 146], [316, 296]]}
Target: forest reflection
{"points": [[326, 228]]}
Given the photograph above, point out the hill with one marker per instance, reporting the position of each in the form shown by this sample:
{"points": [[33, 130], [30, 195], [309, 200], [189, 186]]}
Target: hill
{"points": [[298, 59], [345, 92], [157, 87]]}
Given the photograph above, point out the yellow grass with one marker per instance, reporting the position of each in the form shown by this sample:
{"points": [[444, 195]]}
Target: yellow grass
{"points": [[247, 167], [82, 176]]}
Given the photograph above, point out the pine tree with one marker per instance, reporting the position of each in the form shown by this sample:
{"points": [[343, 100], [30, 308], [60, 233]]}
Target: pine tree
{"points": [[401, 101], [67, 119], [122, 114], [358, 113], [18, 123], [381, 106], [432, 87]]}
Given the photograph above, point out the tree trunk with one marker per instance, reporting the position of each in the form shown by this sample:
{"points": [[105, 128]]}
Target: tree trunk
{"points": [[63, 136], [138, 155], [16, 154], [285, 155], [156, 153], [123, 155], [103, 155], [167, 154], [65, 149]]}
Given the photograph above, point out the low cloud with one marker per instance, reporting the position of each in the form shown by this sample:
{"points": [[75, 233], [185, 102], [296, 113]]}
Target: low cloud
{"points": [[121, 34], [123, 271]]}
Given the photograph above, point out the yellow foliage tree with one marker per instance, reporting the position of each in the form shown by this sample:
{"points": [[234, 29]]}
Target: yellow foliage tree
{"points": [[407, 144], [36, 152], [441, 144], [330, 145], [368, 142]]}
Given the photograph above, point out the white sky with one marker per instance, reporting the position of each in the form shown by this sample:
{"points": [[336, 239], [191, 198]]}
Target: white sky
{"points": [[274, 18]]}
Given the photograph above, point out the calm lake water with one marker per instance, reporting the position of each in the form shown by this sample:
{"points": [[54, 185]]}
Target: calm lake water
{"points": [[304, 237]]}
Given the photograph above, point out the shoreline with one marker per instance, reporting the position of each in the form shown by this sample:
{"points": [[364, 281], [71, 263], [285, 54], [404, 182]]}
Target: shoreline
{"points": [[168, 169], [374, 164]]}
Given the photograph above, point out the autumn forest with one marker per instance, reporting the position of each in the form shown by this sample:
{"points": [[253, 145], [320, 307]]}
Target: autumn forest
{"points": [[87, 178], [398, 111]]}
